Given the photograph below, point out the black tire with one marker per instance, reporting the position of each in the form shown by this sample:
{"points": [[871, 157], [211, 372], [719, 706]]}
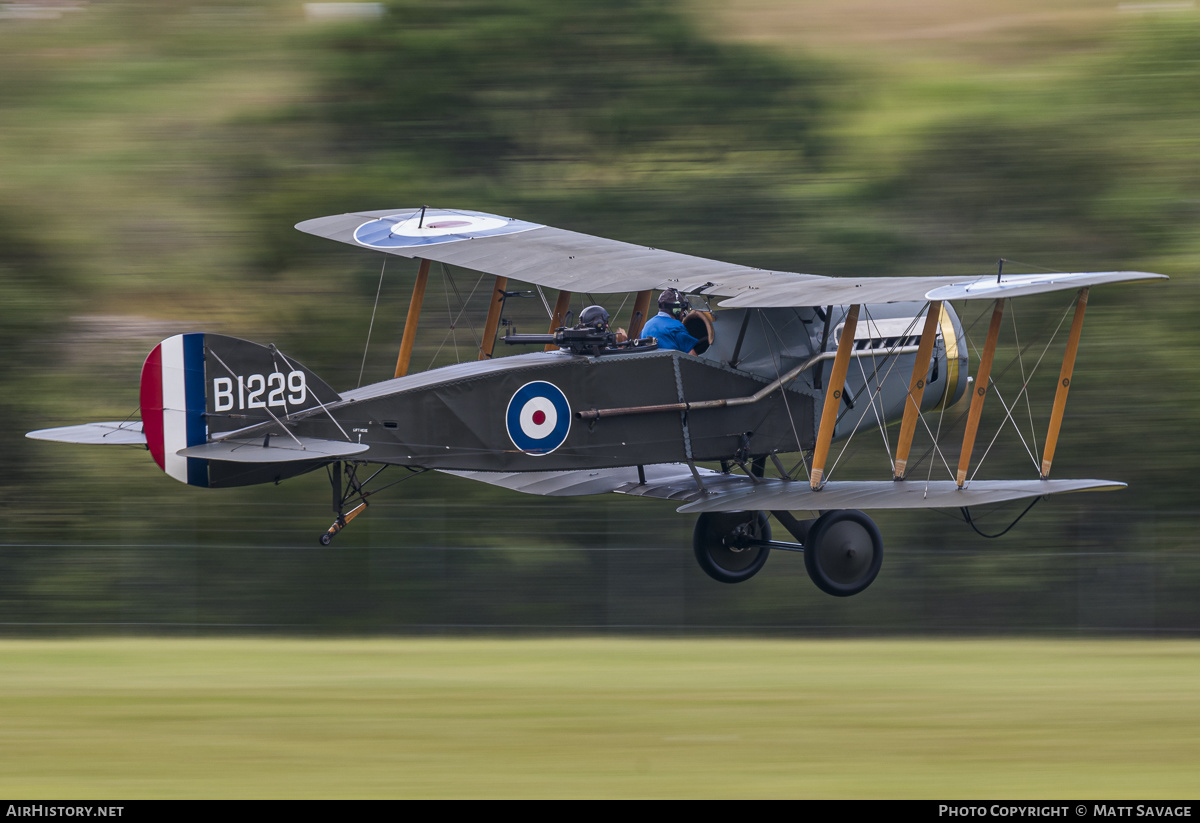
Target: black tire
{"points": [[326, 539], [717, 542], [844, 552]]}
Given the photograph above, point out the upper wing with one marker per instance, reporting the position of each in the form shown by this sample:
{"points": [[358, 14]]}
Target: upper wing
{"points": [[577, 262]]}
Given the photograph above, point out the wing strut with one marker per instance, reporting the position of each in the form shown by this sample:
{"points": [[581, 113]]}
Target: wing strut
{"points": [[916, 388], [981, 386], [1064, 383], [641, 308], [559, 318], [493, 319], [410, 322], [833, 397]]}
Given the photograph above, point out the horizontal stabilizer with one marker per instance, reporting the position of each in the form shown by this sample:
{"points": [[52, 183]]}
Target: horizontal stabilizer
{"points": [[282, 450], [885, 494], [118, 433]]}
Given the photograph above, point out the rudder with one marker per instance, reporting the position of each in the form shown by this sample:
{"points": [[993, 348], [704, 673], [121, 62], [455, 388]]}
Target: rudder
{"points": [[198, 384]]}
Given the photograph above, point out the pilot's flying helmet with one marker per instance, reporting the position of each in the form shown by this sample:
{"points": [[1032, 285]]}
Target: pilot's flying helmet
{"points": [[673, 303], [595, 317]]}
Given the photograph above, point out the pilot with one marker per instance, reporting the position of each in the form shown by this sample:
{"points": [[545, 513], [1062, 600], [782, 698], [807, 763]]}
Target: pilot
{"points": [[667, 325], [596, 317]]}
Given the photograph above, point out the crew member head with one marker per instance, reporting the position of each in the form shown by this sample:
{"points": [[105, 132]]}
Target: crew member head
{"points": [[673, 303], [594, 317]]}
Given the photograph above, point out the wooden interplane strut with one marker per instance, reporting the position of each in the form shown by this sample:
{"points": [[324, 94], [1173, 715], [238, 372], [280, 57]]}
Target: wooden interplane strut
{"points": [[410, 322], [980, 392], [488, 342], [833, 397], [641, 308], [557, 320], [1064, 383], [916, 388]]}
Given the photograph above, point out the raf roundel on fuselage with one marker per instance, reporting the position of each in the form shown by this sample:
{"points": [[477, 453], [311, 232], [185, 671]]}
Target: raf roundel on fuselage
{"points": [[538, 418]]}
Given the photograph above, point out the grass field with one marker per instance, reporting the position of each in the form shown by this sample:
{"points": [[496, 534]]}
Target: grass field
{"points": [[599, 718]]}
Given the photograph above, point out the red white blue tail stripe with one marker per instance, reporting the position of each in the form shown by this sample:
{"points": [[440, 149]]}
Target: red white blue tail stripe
{"points": [[173, 406]]}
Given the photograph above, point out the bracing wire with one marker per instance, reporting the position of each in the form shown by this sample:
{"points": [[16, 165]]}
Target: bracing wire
{"points": [[889, 354], [450, 313], [1008, 409], [462, 303], [997, 375], [457, 317], [370, 327], [1024, 379], [545, 303], [783, 392]]}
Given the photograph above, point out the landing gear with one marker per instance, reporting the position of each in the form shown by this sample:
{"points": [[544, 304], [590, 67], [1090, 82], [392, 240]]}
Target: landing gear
{"points": [[843, 553], [354, 495], [341, 522], [730, 546], [843, 550]]}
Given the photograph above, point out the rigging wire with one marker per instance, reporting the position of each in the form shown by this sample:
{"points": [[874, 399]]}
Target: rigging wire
{"points": [[936, 437], [968, 343], [783, 392], [1024, 379], [454, 285], [1008, 409], [889, 354], [449, 312], [457, 317], [378, 289], [545, 302], [880, 412]]}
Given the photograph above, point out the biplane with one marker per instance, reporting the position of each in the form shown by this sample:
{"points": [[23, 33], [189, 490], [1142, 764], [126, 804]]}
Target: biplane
{"points": [[787, 365]]}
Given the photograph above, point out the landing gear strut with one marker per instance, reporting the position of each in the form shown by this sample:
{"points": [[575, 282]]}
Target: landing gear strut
{"points": [[353, 489], [356, 493]]}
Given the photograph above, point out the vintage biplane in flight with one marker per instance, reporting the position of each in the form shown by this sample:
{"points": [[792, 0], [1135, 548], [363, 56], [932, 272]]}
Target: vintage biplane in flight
{"points": [[787, 364]]}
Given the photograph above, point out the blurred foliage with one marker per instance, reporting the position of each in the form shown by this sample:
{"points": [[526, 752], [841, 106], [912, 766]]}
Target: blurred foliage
{"points": [[158, 154], [471, 86], [30, 280]]}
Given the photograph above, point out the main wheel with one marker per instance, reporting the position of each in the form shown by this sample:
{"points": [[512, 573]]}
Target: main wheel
{"points": [[843, 553], [721, 543]]}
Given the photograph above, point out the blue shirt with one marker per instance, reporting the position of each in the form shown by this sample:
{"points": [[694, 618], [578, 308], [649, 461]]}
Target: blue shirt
{"points": [[670, 332]]}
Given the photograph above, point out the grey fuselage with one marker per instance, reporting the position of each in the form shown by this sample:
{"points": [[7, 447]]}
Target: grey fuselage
{"points": [[467, 416]]}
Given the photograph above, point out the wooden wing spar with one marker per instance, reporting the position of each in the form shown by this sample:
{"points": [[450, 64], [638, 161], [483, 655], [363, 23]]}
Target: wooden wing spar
{"points": [[571, 261]]}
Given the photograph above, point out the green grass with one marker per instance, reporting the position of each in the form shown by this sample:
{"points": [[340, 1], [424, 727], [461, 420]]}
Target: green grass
{"points": [[599, 718]]}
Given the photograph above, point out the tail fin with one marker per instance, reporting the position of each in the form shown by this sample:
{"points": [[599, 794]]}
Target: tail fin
{"points": [[200, 384]]}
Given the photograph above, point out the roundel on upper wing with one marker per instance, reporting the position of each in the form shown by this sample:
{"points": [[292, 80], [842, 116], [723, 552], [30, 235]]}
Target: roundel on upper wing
{"points": [[425, 227], [538, 418]]}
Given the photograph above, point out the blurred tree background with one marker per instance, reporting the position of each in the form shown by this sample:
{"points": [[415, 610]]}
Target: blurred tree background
{"points": [[157, 154]]}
